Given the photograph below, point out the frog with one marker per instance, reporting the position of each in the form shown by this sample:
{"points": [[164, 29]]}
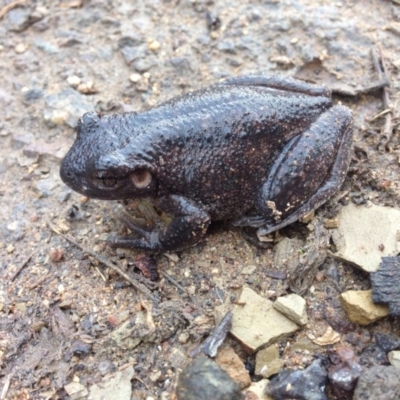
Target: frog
{"points": [[260, 151]]}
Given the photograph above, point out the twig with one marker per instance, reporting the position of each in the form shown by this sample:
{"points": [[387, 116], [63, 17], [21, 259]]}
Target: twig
{"points": [[23, 265], [10, 6], [104, 261], [39, 281], [101, 274], [6, 386], [380, 114], [387, 131], [173, 281], [345, 90]]}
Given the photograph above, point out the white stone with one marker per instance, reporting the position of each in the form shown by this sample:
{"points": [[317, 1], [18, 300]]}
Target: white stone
{"points": [[114, 386], [256, 323], [366, 234], [258, 388], [394, 358], [293, 306]]}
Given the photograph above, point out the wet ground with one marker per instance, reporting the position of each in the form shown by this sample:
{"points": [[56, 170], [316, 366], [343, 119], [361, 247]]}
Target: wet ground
{"points": [[59, 305]]}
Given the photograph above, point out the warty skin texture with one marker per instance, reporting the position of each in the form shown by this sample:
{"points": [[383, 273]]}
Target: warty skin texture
{"points": [[217, 154]]}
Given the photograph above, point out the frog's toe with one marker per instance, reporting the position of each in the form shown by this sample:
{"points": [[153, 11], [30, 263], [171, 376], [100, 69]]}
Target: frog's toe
{"points": [[149, 241], [253, 221]]}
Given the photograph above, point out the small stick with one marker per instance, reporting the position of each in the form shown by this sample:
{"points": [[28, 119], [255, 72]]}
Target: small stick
{"points": [[10, 6], [173, 281], [101, 274], [39, 282], [104, 261], [387, 131], [23, 265], [380, 114], [6, 387], [350, 91]]}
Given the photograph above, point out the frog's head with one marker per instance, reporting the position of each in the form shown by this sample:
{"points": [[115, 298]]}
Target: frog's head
{"points": [[99, 165]]}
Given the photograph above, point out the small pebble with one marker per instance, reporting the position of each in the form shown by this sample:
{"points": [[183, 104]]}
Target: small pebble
{"points": [[155, 376], [56, 255], [10, 248], [183, 337], [87, 87], [320, 276], [21, 48], [135, 77], [106, 367], [74, 80], [154, 45]]}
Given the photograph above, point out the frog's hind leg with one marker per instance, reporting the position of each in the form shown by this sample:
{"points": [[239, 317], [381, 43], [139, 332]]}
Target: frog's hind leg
{"points": [[280, 83], [307, 173]]}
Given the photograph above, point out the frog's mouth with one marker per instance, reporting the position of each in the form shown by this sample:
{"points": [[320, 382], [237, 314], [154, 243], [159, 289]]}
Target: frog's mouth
{"points": [[106, 180]]}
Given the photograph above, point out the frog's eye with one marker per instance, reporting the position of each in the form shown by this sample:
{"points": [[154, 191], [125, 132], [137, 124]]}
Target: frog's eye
{"points": [[141, 178]]}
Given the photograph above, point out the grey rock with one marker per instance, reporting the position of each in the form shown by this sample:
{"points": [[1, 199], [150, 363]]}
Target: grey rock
{"points": [[106, 367], [378, 383], [19, 18], [376, 353], [46, 46], [308, 384], [227, 46], [69, 37], [32, 95], [66, 107], [203, 379], [181, 63], [131, 53], [129, 41], [144, 64], [385, 284]]}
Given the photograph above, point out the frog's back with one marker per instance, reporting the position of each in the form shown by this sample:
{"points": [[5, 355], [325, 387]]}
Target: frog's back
{"points": [[215, 146]]}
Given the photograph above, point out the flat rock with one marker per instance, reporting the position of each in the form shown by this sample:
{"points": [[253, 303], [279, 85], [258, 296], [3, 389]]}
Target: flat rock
{"points": [[385, 284], [366, 234], [378, 383], [394, 358], [359, 307], [293, 306], [256, 391], [256, 323], [75, 390], [268, 362], [328, 338], [287, 255], [229, 361], [114, 386]]}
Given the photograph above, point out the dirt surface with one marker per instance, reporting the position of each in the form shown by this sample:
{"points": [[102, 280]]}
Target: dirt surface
{"points": [[58, 305]]}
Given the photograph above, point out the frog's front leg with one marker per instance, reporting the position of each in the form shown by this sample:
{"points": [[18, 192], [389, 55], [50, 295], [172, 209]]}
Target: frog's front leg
{"points": [[310, 169], [187, 228]]}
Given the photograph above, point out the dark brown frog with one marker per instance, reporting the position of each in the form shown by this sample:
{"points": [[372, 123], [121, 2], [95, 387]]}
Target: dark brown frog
{"points": [[261, 151]]}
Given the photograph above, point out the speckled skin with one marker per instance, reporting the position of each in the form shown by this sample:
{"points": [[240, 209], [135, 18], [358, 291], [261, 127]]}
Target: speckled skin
{"points": [[216, 154]]}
